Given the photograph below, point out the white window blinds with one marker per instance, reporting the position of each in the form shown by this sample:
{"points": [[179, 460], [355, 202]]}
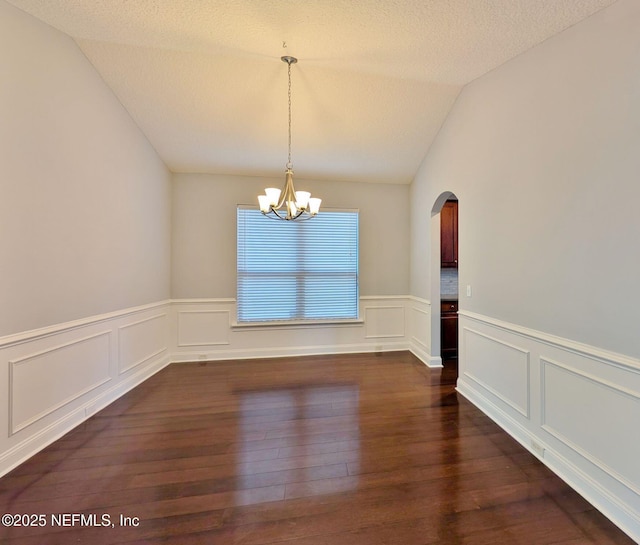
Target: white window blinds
{"points": [[296, 271]]}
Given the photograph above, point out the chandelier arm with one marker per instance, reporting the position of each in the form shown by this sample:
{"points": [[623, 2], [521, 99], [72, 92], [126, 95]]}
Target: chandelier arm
{"points": [[276, 213], [303, 214], [298, 214]]}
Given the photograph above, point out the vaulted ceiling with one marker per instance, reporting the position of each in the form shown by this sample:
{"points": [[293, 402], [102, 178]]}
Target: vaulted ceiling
{"points": [[374, 82]]}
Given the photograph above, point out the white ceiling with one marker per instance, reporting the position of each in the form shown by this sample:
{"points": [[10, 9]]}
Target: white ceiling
{"points": [[374, 81]]}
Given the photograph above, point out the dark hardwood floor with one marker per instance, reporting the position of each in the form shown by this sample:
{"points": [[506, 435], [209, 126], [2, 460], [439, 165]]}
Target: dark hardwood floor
{"points": [[323, 450]]}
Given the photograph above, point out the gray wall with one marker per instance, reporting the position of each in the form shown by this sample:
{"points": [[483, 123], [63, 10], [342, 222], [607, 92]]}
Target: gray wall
{"points": [[204, 231], [543, 154], [85, 209]]}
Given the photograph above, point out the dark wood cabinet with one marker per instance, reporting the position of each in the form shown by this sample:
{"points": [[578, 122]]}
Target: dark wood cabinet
{"points": [[449, 235], [449, 329]]}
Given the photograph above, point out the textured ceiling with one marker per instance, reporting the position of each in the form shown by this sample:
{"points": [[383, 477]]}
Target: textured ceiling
{"points": [[374, 82]]}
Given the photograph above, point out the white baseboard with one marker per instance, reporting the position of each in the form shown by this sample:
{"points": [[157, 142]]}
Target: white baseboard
{"points": [[204, 329], [285, 352], [100, 359], [523, 391], [434, 362], [581, 482], [40, 440], [564, 383]]}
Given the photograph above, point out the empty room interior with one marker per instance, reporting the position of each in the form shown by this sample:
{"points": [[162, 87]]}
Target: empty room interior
{"points": [[433, 339]]}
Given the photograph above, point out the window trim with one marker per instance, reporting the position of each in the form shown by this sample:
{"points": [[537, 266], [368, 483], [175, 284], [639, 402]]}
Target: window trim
{"points": [[297, 324], [301, 323]]}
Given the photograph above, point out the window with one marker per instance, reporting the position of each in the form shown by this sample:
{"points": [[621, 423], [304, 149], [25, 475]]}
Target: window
{"points": [[296, 271]]}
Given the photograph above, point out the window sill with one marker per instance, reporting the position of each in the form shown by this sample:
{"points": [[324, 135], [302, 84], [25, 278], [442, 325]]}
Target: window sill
{"points": [[297, 324]]}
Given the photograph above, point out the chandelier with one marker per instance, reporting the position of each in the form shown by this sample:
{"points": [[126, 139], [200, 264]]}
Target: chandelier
{"points": [[288, 204]]}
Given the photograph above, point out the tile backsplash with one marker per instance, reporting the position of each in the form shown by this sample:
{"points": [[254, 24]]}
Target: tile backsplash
{"points": [[448, 282]]}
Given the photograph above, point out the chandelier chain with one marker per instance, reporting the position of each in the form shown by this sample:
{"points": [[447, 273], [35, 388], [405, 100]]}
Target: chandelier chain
{"points": [[289, 72], [288, 204]]}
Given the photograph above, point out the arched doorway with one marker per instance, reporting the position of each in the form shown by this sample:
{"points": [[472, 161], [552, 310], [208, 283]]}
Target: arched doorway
{"points": [[444, 280]]}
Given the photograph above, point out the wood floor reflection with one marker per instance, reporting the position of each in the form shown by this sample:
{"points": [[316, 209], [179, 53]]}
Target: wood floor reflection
{"points": [[323, 450]]}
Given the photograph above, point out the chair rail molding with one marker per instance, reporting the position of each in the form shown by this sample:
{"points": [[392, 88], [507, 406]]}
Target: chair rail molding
{"points": [[574, 406], [205, 329], [99, 358]]}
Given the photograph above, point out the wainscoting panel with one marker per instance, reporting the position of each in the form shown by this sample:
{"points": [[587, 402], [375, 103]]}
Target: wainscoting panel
{"points": [[572, 407], [141, 341], [583, 407], [58, 376], [499, 367], [421, 326], [35, 388], [420, 331], [203, 327], [383, 322]]}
